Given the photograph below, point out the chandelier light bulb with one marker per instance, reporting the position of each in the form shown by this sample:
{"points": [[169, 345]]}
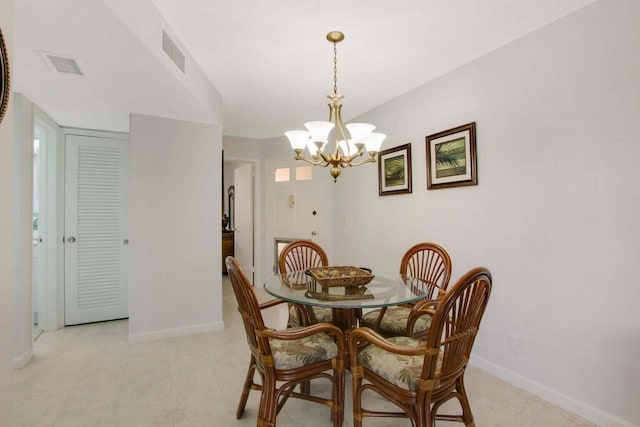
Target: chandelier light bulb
{"points": [[360, 132], [347, 148], [319, 130], [374, 142], [298, 138]]}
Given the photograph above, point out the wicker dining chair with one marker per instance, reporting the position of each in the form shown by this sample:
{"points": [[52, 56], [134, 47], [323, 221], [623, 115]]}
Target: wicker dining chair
{"points": [[286, 358], [296, 256], [420, 375], [428, 262]]}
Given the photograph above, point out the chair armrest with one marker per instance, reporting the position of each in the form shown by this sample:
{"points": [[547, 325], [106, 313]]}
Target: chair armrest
{"points": [[306, 331], [425, 304], [368, 335], [416, 314], [271, 303]]}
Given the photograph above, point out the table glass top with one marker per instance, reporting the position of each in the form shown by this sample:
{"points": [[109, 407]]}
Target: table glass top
{"points": [[383, 290]]}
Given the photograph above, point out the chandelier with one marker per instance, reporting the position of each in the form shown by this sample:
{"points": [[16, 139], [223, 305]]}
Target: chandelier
{"points": [[347, 151]]}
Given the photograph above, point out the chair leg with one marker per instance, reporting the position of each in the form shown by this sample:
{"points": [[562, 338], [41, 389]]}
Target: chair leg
{"points": [[337, 411], [356, 382], [268, 403], [305, 387], [248, 382], [467, 416]]}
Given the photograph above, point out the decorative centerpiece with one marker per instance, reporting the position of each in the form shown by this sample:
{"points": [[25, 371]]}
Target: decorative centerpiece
{"points": [[345, 276]]}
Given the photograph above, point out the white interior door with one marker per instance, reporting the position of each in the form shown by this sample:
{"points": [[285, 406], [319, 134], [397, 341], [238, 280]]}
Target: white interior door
{"points": [[96, 228], [243, 226], [293, 191]]}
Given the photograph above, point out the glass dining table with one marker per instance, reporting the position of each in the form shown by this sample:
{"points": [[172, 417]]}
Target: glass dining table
{"points": [[347, 303]]}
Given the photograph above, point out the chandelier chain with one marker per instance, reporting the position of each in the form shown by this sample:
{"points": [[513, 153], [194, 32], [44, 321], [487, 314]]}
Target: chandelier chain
{"points": [[335, 68]]}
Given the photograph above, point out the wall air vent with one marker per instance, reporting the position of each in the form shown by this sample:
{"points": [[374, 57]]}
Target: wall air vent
{"points": [[172, 51], [62, 64]]}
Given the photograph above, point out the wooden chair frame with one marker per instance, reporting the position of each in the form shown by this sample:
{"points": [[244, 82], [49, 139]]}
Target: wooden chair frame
{"points": [[274, 396], [455, 323], [430, 263], [300, 255]]}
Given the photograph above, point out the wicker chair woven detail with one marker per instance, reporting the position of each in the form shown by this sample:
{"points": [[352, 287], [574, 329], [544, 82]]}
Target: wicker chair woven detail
{"points": [[428, 262], [287, 358], [418, 376], [296, 256]]}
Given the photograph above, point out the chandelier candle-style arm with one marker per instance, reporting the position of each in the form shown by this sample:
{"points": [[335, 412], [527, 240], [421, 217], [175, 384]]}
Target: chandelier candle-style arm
{"points": [[315, 138]]}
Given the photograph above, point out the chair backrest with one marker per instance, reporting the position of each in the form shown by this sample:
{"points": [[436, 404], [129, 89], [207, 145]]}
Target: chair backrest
{"points": [[248, 307], [300, 255], [455, 325], [428, 262]]}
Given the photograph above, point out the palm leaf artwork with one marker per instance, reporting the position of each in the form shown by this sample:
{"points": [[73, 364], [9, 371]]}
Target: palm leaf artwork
{"points": [[394, 170], [450, 158]]}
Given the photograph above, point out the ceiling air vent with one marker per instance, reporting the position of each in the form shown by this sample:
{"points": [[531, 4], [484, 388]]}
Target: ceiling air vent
{"points": [[172, 51], [62, 64]]}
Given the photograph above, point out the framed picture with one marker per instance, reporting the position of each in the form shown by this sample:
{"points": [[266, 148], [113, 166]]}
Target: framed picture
{"points": [[394, 170], [4, 77], [451, 158]]}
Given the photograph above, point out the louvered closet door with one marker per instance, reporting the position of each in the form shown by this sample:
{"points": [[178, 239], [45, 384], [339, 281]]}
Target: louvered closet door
{"points": [[96, 228]]}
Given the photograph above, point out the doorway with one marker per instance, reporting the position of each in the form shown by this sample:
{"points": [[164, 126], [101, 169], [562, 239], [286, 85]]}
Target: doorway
{"points": [[239, 206], [45, 254], [38, 277]]}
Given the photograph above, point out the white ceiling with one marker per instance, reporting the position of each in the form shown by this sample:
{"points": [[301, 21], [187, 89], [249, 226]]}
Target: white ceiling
{"points": [[269, 59]]}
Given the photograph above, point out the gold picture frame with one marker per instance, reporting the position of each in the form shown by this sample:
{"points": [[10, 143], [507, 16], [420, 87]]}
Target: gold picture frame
{"points": [[4, 77], [394, 170], [451, 158]]}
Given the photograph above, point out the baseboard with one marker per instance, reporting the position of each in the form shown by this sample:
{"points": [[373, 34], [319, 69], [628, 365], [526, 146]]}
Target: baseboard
{"points": [[176, 332], [591, 413], [20, 362]]}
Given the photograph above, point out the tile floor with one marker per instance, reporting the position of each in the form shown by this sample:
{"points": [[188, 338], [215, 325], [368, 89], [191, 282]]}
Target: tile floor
{"points": [[91, 376]]}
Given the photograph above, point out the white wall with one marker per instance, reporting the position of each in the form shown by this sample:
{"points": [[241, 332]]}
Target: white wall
{"points": [[24, 112], [6, 256], [241, 148], [144, 20], [555, 214], [22, 230], [175, 273]]}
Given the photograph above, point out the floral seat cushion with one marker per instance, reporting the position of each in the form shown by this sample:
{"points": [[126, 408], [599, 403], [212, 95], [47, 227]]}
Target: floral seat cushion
{"points": [[323, 314], [395, 319], [403, 371], [291, 354]]}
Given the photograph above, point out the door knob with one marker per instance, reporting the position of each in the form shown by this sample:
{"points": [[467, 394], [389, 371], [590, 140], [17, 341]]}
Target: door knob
{"points": [[71, 239]]}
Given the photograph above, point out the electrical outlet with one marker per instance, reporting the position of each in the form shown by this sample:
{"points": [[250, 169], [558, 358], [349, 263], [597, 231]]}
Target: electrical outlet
{"points": [[514, 344]]}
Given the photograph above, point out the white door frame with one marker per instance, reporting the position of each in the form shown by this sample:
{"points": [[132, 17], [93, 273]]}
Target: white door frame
{"points": [[243, 218], [49, 223], [258, 212]]}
